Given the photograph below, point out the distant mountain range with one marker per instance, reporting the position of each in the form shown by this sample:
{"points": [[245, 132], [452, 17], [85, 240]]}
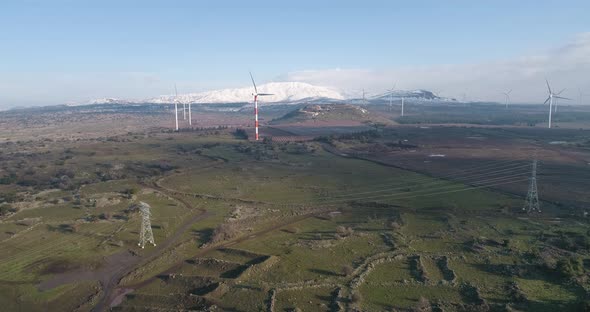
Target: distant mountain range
{"points": [[283, 93], [412, 94]]}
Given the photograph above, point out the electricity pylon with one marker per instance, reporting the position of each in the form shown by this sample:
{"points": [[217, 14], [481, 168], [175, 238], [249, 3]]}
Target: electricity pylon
{"points": [[146, 234], [531, 203]]}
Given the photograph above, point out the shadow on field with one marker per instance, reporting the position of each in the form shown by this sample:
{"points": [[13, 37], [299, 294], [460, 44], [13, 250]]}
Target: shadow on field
{"points": [[235, 273], [324, 272], [204, 235]]}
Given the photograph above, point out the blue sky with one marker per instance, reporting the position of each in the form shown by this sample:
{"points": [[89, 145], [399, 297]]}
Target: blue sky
{"points": [[65, 51]]}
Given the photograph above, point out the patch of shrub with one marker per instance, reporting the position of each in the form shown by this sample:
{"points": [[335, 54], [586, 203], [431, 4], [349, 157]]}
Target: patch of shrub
{"points": [[241, 134]]}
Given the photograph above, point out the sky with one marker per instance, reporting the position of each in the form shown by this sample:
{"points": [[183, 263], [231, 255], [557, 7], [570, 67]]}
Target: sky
{"points": [[59, 52]]}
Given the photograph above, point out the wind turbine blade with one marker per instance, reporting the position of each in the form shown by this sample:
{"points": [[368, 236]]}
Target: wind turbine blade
{"points": [[547, 100], [509, 91], [264, 94], [548, 87], [558, 93], [560, 97], [254, 83]]}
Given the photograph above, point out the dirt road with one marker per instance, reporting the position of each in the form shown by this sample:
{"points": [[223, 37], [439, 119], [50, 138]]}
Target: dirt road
{"points": [[111, 280]]}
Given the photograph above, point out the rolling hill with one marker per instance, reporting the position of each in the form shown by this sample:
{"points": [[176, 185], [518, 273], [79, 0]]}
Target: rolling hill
{"points": [[330, 112]]}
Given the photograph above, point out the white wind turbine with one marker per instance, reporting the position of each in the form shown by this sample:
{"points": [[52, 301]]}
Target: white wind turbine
{"points": [[465, 99], [550, 100], [437, 92], [391, 96], [403, 98], [556, 101], [507, 97], [256, 95], [183, 110], [176, 106], [190, 116]]}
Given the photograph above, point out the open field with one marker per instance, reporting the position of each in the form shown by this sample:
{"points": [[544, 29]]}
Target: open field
{"points": [[367, 218]]}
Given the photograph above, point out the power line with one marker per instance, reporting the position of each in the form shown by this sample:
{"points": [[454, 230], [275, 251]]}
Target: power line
{"points": [[438, 181], [494, 180], [33, 254], [457, 175]]}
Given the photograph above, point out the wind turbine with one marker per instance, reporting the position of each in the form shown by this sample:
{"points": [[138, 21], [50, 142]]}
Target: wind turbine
{"points": [[464, 99], [437, 93], [190, 119], [184, 110], [176, 106], [558, 93], [364, 100], [190, 116], [256, 95], [550, 100], [507, 97], [403, 98], [391, 96]]}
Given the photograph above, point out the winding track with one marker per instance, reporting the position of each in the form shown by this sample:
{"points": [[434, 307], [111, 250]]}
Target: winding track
{"points": [[111, 281], [111, 284]]}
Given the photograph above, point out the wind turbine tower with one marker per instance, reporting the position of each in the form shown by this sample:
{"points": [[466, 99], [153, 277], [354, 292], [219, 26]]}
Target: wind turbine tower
{"points": [[190, 116], [391, 96], [403, 106], [183, 110], [550, 100], [146, 234], [531, 203], [507, 97], [176, 106], [256, 95]]}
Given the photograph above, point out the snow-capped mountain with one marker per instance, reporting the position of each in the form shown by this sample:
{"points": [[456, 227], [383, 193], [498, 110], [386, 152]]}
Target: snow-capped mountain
{"points": [[409, 94], [282, 92], [109, 101]]}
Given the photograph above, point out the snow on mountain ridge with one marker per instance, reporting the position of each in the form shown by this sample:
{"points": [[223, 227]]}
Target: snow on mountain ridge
{"points": [[282, 92], [109, 101]]}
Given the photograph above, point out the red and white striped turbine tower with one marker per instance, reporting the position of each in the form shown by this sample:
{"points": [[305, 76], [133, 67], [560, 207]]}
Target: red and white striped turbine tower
{"points": [[256, 95]]}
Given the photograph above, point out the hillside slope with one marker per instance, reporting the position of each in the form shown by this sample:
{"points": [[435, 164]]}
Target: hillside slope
{"points": [[331, 112]]}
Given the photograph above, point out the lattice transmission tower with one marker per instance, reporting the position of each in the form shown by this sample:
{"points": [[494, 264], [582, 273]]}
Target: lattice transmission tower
{"points": [[145, 235], [531, 203]]}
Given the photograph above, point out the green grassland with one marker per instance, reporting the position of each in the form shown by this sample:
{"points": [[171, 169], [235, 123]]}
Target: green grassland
{"points": [[310, 230]]}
